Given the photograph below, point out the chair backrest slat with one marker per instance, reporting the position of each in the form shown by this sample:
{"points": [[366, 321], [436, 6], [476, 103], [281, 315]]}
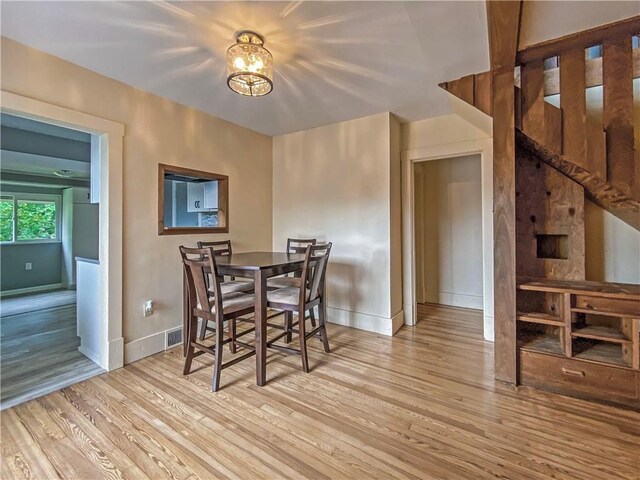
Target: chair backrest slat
{"points": [[314, 270], [220, 248], [299, 245], [196, 262]]}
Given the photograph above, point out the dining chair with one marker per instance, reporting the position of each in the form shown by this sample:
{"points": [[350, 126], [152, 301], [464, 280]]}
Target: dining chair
{"points": [[208, 303], [302, 299], [294, 245], [223, 248]]}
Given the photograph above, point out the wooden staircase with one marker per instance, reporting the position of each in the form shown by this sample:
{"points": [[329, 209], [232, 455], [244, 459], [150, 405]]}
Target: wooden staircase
{"points": [[603, 159], [554, 147]]}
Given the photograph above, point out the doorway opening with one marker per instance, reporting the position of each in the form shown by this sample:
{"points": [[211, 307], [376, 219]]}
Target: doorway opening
{"points": [[481, 151], [49, 227], [107, 145], [448, 239]]}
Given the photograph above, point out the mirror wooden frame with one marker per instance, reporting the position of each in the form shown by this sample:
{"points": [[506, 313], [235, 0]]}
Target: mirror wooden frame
{"points": [[223, 201]]}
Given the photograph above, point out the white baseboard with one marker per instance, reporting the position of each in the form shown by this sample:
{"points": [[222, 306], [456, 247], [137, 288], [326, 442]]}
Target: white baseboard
{"points": [[143, 347], [116, 355], [408, 314], [365, 321], [155, 343], [23, 291], [462, 300], [397, 321]]}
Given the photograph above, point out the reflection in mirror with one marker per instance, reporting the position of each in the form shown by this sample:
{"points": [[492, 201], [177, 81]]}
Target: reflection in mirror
{"points": [[191, 201]]}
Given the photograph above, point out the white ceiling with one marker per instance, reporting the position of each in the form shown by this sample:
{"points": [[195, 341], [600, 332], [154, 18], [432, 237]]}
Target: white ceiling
{"points": [[334, 60], [29, 125]]}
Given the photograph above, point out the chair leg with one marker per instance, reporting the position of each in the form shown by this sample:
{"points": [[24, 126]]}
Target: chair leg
{"points": [[322, 311], [312, 314], [288, 320], [193, 322], [232, 332], [203, 330], [303, 341], [217, 365]]}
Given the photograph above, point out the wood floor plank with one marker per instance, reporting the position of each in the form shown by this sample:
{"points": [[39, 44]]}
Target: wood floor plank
{"points": [[39, 350], [420, 405]]}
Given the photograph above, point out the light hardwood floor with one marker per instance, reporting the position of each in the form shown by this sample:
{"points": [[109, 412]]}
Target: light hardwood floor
{"points": [[422, 405], [39, 348]]}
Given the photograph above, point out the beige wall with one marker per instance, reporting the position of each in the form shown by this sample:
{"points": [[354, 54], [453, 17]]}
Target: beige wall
{"points": [[156, 130], [448, 230], [439, 131], [338, 183], [546, 20], [612, 247]]}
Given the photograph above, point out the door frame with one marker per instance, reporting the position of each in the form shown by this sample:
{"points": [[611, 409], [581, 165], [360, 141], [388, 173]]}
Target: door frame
{"points": [[111, 136], [484, 148]]}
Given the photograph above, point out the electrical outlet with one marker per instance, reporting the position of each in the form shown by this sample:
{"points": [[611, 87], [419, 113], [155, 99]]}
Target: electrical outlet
{"points": [[28, 266], [148, 308]]}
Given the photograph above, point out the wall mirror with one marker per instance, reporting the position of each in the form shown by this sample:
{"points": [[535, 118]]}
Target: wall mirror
{"points": [[192, 201]]}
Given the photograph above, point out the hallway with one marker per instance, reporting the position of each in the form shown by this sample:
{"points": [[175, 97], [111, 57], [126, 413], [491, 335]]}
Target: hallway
{"points": [[39, 346]]}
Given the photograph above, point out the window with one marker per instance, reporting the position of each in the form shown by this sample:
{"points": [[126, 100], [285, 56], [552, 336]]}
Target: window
{"points": [[6, 218], [29, 218]]}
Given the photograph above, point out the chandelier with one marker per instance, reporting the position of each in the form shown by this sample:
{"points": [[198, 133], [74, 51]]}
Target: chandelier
{"points": [[249, 65]]}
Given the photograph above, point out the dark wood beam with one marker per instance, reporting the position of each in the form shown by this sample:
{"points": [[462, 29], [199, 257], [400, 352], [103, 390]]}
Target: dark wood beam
{"points": [[600, 192], [503, 19]]}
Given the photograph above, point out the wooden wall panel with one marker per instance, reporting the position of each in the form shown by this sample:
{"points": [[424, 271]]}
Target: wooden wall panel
{"points": [[547, 202], [462, 88], [596, 150], [617, 73], [482, 94], [532, 98], [574, 107], [553, 127]]}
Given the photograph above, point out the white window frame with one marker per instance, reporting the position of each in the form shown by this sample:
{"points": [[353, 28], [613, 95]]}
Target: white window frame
{"points": [[35, 197]]}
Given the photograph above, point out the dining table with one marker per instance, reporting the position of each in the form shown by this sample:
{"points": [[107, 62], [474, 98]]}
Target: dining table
{"points": [[258, 266]]}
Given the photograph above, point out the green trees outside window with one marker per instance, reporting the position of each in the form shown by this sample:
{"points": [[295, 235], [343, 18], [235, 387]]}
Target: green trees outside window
{"points": [[36, 220], [27, 220], [6, 219]]}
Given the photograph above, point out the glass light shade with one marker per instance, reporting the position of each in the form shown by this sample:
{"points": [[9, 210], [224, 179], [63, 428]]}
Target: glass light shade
{"points": [[249, 66]]}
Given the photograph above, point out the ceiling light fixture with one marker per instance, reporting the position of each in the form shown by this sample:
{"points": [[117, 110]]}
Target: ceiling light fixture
{"points": [[249, 65], [64, 173]]}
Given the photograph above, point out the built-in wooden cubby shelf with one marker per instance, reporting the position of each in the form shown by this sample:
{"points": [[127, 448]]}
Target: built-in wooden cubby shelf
{"points": [[601, 332], [541, 318], [580, 324]]}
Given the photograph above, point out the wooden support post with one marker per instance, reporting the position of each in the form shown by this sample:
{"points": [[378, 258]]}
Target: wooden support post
{"points": [[617, 76], [566, 316], [631, 351], [504, 24]]}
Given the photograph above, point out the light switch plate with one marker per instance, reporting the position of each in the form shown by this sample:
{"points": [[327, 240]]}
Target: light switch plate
{"points": [[28, 266]]}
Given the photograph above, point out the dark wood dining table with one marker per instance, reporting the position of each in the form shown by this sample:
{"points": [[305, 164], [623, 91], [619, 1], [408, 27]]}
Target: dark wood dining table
{"points": [[259, 266]]}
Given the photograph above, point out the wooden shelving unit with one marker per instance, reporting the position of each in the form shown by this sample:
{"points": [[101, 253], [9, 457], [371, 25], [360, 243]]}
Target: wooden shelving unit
{"points": [[567, 328]]}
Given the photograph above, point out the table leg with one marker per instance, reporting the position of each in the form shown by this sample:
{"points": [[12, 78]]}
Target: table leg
{"points": [[260, 317]]}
